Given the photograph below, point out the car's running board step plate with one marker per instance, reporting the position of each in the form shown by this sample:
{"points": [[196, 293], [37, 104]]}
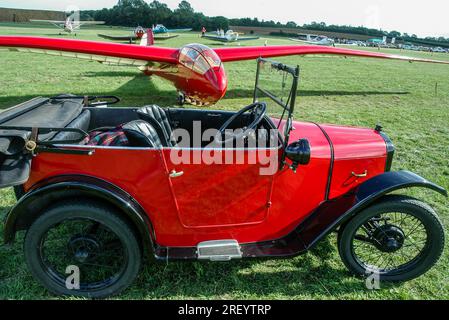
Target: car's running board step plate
{"points": [[219, 250]]}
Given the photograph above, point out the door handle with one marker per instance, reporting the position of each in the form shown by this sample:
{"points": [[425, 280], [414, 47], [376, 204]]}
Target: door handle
{"points": [[360, 175], [175, 174]]}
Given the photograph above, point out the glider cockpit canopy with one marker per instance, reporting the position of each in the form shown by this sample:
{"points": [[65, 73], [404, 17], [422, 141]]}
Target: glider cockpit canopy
{"points": [[199, 58]]}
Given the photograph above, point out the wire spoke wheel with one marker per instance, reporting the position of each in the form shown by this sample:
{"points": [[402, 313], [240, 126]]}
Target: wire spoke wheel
{"points": [[398, 238], [389, 242]]}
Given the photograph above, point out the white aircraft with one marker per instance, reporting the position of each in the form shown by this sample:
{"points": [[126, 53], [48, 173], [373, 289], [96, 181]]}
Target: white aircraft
{"points": [[229, 36], [70, 25], [317, 40]]}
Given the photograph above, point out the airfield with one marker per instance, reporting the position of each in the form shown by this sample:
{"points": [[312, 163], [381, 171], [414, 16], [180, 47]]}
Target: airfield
{"points": [[410, 100]]}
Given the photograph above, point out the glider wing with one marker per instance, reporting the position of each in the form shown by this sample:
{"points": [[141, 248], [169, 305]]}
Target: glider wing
{"points": [[104, 52], [249, 53]]}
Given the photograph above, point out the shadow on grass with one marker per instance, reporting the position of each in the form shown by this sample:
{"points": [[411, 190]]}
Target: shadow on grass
{"points": [[314, 274], [56, 34], [114, 74], [3, 212], [307, 275], [313, 93], [240, 93], [140, 90]]}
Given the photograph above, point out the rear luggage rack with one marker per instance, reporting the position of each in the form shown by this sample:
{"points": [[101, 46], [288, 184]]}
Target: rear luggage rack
{"points": [[50, 130], [87, 100]]}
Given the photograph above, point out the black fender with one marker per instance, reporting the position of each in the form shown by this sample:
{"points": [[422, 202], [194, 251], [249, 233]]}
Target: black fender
{"points": [[392, 181], [59, 188], [333, 213]]}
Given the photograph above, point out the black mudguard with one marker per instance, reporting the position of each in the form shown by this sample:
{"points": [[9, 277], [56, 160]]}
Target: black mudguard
{"points": [[391, 181], [333, 213]]}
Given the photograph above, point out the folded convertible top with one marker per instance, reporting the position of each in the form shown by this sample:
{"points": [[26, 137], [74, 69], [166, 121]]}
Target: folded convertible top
{"points": [[42, 113], [16, 125]]}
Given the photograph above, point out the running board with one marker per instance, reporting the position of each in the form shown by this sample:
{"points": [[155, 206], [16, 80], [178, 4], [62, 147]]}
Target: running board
{"points": [[219, 250]]}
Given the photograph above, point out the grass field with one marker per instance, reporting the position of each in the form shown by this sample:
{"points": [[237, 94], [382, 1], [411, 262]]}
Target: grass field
{"points": [[353, 91]]}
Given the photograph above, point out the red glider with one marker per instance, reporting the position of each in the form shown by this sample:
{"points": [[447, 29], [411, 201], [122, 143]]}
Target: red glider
{"points": [[196, 70]]}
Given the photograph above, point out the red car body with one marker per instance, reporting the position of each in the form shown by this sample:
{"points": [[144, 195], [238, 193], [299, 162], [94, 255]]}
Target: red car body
{"points": [[222, 201]]}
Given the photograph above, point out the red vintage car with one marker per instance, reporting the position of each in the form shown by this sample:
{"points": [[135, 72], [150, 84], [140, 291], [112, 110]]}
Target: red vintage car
{"points": [[99, 187]]}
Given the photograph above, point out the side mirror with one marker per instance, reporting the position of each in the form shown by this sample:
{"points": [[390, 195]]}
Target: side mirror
{"points": [[299, 153]]}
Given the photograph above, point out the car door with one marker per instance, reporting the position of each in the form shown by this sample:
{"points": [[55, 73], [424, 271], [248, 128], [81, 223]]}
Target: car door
{"points": [[216, 194]]}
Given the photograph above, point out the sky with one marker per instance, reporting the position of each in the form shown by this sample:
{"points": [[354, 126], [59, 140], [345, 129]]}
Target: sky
{"points": [[423, 18]]}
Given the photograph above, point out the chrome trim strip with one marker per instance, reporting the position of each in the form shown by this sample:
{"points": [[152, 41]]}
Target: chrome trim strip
{"points": [[164, 148]]}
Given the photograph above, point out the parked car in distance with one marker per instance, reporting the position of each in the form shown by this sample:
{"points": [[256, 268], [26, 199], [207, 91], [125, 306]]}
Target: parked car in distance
{"points": [[439, 49]]}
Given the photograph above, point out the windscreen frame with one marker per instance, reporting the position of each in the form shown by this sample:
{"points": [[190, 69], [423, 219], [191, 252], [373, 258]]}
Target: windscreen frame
{"points": [[289, 106]]}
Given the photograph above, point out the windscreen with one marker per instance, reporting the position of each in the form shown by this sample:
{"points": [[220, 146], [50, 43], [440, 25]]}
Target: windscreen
{"points": [[276, 85]]}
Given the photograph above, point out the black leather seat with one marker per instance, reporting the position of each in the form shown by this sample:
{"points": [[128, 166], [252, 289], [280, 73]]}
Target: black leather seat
{"points": [[81, 122], [159, 119], [142, 134]]}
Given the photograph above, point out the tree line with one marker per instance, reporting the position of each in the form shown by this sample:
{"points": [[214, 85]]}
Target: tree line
{"points": [[138, 12], [132, 13]]}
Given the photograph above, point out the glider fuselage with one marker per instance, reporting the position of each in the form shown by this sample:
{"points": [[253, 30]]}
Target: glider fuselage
{"points": [[199, 74]]}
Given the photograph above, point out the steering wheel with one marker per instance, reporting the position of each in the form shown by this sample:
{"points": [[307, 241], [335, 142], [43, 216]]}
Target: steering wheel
{"points": [[258, 109]]}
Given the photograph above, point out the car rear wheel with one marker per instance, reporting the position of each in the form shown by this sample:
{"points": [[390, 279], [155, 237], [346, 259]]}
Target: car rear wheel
{"points": [[82, 249], [397, 239]]}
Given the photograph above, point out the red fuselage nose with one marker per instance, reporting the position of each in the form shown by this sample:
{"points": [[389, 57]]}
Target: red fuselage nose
{"points": [[201, 75], [207, 88], [218, 82]]}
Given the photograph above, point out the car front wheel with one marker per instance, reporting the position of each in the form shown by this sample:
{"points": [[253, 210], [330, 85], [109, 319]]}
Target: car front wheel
{"points": [[398, 239], [82, 249]]}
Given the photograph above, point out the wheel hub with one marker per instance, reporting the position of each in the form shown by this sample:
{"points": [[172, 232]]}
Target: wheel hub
{"points": [[83, 247], [389, 238]]}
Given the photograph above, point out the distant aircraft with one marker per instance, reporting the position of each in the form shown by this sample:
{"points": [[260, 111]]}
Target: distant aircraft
{"points": [[137, 34], [69, 25], [377, 42], [317, 40], [159, 28], [229, 36], [146, 40]]}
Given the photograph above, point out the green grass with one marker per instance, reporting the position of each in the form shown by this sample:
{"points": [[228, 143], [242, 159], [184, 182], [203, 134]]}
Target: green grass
{"points": [[352, 91]]}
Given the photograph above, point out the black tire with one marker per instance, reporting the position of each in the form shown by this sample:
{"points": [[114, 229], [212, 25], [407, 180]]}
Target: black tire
{"points": [[181, 99], [425, 218], [116, 236]]}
